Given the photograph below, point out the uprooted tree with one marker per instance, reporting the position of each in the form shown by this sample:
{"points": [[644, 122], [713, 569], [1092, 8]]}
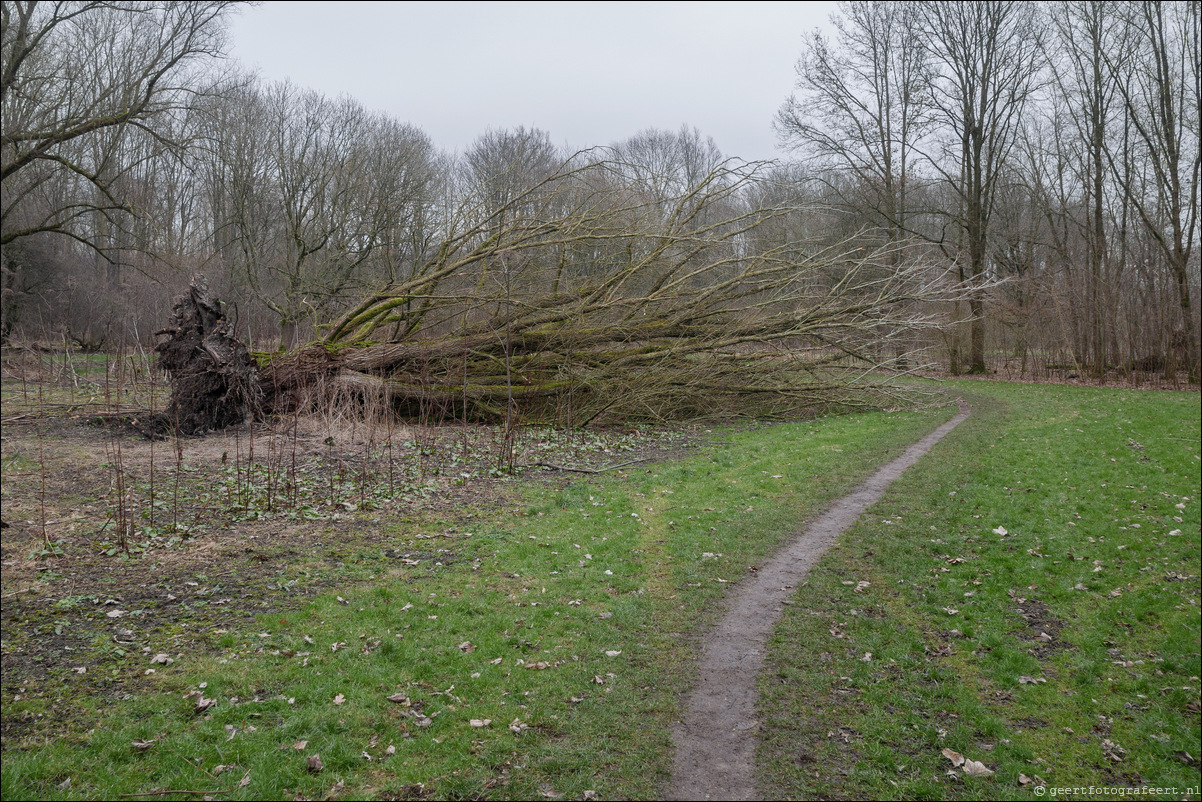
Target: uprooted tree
{"points": [[586, 296]]}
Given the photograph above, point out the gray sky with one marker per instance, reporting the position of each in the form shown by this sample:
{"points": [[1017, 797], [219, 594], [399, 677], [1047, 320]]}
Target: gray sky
{"points": [[587, 73]]}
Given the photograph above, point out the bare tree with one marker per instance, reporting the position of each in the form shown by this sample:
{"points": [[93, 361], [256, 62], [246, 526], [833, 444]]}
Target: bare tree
{"points": [[698, 320], [314, 200], [862, 106], [1160, 89], [77, 79], [989, 60]]}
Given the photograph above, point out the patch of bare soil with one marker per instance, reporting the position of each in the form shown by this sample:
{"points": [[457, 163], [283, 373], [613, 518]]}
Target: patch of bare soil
{"points": [[117, 548], [1044, 628], [716, 740]]}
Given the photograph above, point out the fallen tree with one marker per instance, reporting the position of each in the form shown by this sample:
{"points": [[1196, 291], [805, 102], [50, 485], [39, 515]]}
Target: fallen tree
{"points": [[586, 298]]}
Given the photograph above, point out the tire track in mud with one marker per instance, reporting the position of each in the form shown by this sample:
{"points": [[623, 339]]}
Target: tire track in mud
{"points": [[716, 740]]}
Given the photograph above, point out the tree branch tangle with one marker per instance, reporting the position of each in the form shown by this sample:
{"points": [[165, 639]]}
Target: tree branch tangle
{"points": [[589, 294]]}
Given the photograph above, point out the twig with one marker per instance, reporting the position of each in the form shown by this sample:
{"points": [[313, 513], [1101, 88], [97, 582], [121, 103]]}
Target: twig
{"points": [[15, 592], [165, 793], [582, 470]]}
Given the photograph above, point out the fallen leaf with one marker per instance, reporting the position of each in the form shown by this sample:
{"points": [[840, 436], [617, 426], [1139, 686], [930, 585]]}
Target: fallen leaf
{"points": [[200, 702], [245, 781], [1001, 530], [1113, 751], [164, 659], [477, 723], [613, 653], [955, 757], [141, 746], [539, 666], [974, 769], [314, 763], [400, 699], [1025, 680], [339, 699], [466, 647], [300, 745]]}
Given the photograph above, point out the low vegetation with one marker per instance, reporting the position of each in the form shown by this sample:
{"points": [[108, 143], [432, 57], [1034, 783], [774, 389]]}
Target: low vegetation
{"points": [[300, 630], [1026, 597]]}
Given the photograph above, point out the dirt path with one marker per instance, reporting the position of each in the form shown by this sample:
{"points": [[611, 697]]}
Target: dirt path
{"points": [[715, 743]]}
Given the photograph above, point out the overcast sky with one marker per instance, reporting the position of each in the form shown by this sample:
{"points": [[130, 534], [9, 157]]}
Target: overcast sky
{"points": [[587, 73]]}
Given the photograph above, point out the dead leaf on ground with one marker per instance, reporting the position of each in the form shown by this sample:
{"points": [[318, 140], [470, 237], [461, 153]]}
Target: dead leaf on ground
{"points": [[467, 647], [613, 652], [477, 723], [955, 757], [164, 659], [314, 764], [400, 699], [975, 769], [300, 745], [339, 699], [141, 746], [1025, 680], [200, 702], [1113, 751], [245, 781]]}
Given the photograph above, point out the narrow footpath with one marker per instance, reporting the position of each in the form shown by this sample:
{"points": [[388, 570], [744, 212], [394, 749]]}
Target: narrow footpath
{"points": [[715, 743]]}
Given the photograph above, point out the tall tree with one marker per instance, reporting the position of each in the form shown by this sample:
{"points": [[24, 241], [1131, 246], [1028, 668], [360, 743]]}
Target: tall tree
{"points": [[1160, 89], [80, 78], [861, 106], [989, 60]]}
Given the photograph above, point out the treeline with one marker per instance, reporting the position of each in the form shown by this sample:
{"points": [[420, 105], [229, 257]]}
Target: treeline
{"points": [[1041, 160]]}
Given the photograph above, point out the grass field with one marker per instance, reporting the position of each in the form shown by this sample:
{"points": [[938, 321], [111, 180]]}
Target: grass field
{"points": [[1032, 606], [536, 643]]}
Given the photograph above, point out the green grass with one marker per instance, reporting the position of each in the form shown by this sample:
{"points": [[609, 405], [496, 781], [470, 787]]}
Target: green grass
{"points": [[1097, 491], [634, 562]]}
